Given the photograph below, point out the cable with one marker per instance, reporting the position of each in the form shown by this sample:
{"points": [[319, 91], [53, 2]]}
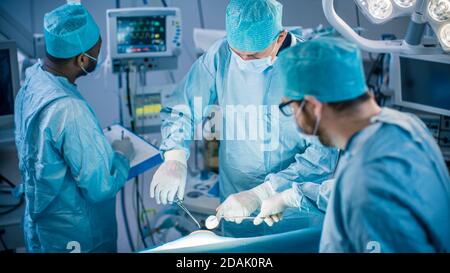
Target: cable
{"points": [[130, 108], [164, 3], [119, 97], [125, 219], [145, 217], [5, 247], [144, 213], [138, 203], [127, 79], [200, 14], [138, 213], [358, 20], [171, 76], [377, 69], [7, 181]]}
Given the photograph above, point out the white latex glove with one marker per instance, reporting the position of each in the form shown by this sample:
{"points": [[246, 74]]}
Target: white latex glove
{"points": [[273, 207], [243, 204], [124, 147], [170, 179]]}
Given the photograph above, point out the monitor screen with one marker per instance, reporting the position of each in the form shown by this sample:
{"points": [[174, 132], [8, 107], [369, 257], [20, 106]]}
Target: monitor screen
{"points": [[148, 104], [6, 84], [141, 34], [426, 83]]}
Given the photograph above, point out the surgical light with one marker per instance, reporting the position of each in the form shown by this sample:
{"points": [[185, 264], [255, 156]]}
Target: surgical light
{"points": [[439, 10], [405, 3], [380, 9], [423, 13], [445, 35]]}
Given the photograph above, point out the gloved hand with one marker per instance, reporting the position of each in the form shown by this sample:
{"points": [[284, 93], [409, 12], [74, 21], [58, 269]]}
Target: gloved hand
{"points": [[124, 147], [243, 204], [170, 179], [273, 207]]}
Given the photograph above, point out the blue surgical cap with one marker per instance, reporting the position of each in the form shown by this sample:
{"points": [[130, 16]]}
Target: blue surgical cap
{"points": [[252, 25], [69, 31], [330, 69]]}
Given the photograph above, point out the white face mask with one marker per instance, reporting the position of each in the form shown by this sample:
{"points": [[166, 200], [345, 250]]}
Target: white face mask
{"points": [[256, 66], [99, 63], [316, 125]]}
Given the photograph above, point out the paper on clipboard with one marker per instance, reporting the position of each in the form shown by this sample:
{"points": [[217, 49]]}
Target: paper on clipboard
{"points": [[147, 156]]}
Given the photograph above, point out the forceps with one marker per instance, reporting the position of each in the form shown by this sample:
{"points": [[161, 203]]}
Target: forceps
{"points": [[180, 204]]}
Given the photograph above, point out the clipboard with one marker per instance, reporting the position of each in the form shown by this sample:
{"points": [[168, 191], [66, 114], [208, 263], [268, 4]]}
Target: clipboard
{"points": [[147, 156]]}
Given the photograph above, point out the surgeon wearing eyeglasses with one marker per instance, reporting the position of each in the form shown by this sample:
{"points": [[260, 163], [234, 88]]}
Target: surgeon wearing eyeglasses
{"points": [[391, 191]]}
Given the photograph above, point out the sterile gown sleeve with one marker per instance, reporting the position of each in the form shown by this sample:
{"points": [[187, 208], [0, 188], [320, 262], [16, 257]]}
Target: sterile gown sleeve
{"points": [[315, 164], [314, 197], [97, 169], [181, 112]]}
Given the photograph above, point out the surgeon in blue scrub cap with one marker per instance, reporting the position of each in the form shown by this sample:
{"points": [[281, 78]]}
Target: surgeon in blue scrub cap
{"points": [[238, 71], [70, 172], [392, 187]]}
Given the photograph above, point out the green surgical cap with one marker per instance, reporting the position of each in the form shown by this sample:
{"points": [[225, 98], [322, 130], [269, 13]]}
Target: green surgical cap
{"points": [[330, 69], [69, 31], [252, 25]]}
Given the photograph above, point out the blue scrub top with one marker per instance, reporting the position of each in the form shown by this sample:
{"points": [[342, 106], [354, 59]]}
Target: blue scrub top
{"points": [[392, 191]]}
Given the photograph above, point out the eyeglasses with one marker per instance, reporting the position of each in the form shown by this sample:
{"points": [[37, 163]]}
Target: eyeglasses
{"points": [[90, 57], [286, 108]]}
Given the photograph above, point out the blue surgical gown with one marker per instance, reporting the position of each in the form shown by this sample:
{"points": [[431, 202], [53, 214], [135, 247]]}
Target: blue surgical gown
{"points": [[70, 172], [289, 156], [314, 197], [392, 191]]}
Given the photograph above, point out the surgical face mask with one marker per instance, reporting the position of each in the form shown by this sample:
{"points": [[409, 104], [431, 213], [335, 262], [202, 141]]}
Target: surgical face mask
{"points": [[256, 66], [98, 63], [316, 125]]}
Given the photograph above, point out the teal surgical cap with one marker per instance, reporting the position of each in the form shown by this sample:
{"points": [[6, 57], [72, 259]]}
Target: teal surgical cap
{"points": [[69, 31], [330, 69], [252, 25]]}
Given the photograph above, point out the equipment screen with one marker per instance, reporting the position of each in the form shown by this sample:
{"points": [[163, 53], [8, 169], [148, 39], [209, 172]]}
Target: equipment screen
{"points": [[141, 34], [6, 84], [426, 83], [148, 104]]}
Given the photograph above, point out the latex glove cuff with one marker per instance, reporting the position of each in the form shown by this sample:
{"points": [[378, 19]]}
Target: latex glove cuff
{"points": [[176, 155], [264, 191], [291, 198]]}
